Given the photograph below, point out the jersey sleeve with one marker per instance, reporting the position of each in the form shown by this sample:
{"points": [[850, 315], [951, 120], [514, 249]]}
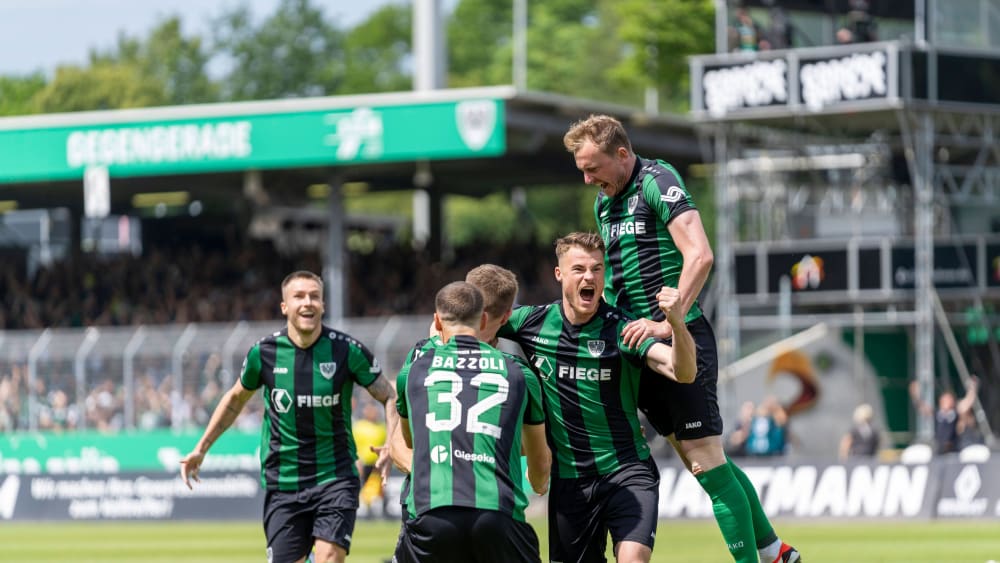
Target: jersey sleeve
{"points": [[404, 374], [666, 195], [534, 413], [250, 374], [362, 364], [637, 355]]}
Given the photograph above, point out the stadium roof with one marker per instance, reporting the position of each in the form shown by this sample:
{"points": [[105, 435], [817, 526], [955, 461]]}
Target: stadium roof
{"points": [[472, 141]]}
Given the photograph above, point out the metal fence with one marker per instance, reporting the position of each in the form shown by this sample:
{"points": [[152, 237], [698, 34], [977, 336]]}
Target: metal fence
{"points": [[147, 377]]}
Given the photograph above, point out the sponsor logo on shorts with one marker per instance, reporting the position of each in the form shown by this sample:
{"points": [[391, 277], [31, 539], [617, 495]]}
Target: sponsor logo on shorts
{"points": [[270, 554], [691, 425]]}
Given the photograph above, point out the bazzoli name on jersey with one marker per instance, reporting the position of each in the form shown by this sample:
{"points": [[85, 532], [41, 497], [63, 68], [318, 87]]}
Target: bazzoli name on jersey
{"points": [[587, 374], [487, 363], [625, 228]]}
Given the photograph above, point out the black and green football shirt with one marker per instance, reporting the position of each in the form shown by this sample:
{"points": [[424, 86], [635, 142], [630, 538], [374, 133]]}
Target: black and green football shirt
{"points": [[641, 256], [465, 402], [306, 435], [590, 383]]}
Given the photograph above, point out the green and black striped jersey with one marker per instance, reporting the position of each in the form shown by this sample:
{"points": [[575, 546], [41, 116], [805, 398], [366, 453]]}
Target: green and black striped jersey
{"points": [[465, 402], [641, 256], [590, 383], [306, 435]]}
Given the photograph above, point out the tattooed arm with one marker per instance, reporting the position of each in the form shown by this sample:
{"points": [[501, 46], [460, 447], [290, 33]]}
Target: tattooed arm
{"points": [[229, 408]]}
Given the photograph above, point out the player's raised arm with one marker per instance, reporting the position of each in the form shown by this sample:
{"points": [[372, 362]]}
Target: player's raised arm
{"points": [[225, 413], [678, 361]]}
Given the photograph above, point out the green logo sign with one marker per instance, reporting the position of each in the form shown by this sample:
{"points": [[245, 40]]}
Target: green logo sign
{"points": [[469, 128]]}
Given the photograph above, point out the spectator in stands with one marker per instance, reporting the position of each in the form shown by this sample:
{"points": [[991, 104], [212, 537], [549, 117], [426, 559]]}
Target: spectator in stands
{"points": [[946, 418], [736, 446], [862, 440], [860, 27], [767, 432], [744, 35]]}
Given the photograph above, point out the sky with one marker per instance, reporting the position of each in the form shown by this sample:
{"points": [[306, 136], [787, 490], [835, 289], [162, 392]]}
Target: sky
{"points": [[39, 35]]}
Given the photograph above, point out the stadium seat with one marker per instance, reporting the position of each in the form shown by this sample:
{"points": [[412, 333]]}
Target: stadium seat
{"points": [[976, 453], [916, 453]]}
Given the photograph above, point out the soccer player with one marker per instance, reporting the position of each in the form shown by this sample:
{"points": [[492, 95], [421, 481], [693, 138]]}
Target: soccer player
{"points": [[603, 478], [654, 237], [466, 410], [308, 372]]}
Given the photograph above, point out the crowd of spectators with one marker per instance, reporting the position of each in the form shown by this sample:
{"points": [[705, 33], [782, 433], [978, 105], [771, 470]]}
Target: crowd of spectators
{"points": [[228, 283]]}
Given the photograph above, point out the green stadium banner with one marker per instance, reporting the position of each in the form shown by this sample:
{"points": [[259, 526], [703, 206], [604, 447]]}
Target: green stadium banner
{"points": [[96, 453], [331, 137]]}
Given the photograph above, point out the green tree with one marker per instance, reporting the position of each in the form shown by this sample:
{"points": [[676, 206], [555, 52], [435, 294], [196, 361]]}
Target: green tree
{"points": [[17, 93], [660, 41], [376, 50], [101, 86], [177, 63], [478, 43], [294, 52]]}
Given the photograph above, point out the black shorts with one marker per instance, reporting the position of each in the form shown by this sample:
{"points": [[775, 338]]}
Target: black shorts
{"points": [[292, 519], [687, 410], [582, 511], [456, 534]]}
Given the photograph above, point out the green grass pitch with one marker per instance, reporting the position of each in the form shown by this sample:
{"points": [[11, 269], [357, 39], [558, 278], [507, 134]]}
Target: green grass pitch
{"points": [[866, 541]]}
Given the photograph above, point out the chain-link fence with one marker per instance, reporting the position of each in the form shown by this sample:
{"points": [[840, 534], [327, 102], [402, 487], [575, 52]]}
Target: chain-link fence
{"points": [[148, 377]]}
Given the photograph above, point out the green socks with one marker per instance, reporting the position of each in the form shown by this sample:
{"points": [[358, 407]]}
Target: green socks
{"points": [[732, 511], [762, 529]]}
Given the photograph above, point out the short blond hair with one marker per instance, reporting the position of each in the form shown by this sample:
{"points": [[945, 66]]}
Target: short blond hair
{"points": [[591, 242], [606, 132], [499, 287]]}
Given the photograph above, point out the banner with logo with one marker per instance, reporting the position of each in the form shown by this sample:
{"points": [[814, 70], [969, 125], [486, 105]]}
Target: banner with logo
{"points": [[944, 488], [870, 264], [131, 496], [95, 453], [462, 129], [810, 80]]}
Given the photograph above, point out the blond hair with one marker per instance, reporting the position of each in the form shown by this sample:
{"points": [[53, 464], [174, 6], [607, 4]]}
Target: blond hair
{"points": [[498, 285], [591, 242], [606, 132]]}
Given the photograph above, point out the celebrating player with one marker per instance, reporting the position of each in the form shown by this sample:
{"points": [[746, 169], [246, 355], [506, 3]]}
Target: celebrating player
{"points": [[654, 237], [466, 409], [308, 467], [603, 478]]}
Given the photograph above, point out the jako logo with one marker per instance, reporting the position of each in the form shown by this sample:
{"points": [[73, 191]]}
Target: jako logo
{"points": [[690, 425], [439, 454], [8, 496]]}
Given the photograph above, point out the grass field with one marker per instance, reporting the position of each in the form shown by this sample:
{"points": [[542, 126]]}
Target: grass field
{"points": [[677, 541]]}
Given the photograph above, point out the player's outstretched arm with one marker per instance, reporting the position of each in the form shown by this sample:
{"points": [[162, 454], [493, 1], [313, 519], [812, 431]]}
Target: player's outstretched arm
{"points": [[689, 235], [229, 408], [385, 393], [539, 456]]}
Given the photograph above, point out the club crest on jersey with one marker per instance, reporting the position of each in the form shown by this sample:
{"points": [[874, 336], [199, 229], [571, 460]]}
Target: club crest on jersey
{"points": [[327, 369], [633, 202], [595, 347]]}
